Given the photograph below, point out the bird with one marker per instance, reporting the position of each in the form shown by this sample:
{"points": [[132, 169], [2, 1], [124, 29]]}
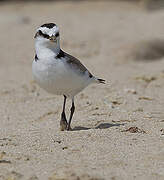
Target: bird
{"points": [[58, 72]]}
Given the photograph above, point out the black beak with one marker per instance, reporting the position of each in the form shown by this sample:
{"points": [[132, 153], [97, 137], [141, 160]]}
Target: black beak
{"points": [[52, 38]]}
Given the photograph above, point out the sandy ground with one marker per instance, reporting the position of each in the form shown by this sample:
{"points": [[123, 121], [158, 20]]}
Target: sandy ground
{"points": [[118, 128]]}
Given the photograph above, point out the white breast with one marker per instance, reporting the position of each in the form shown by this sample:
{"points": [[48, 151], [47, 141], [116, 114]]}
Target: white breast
{"points": [[56, 77]]}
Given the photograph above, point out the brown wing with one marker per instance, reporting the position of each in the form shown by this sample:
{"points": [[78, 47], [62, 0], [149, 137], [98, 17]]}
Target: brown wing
{"points": [[76, 64]]}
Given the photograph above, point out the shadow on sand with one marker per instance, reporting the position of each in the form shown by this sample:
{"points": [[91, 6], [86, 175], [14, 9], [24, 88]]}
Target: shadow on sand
{"points": [[100, 126]]}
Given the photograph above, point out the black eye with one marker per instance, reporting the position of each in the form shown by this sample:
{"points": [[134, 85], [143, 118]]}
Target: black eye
{"points": [[57, 34], [40, 32], [43, 35]]}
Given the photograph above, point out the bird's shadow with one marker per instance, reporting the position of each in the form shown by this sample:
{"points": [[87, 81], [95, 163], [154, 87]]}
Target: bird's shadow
{"points": [[100, 126]]}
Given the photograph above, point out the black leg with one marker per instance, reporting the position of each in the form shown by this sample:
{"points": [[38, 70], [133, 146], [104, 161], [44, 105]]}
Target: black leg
{"points": [[71, 115], [63, 121]]}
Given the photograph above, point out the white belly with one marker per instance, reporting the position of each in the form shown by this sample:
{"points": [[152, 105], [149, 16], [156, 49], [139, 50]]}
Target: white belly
{"points": [[57, 78]]}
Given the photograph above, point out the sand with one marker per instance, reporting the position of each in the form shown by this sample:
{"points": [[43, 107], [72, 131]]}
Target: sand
{"points": [[118, 128]]}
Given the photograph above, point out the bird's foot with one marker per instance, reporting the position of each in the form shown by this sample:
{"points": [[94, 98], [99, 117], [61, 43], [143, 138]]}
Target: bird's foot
{"points": [[63, 125], [63, 122], [69, 128]]}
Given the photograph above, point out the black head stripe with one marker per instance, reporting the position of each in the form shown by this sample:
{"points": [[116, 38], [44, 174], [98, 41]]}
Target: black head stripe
{"points": [[43, 35], [57, 34], [49, 25]]}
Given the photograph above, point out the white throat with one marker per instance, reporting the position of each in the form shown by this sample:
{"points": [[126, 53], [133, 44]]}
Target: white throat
{"points": [[46, 49]]}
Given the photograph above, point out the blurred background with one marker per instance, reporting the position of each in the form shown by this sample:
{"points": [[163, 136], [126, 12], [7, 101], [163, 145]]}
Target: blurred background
{"points": [[121, 41], [96, 31]]}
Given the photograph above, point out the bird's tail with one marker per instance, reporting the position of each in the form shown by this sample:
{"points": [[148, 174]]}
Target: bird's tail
{"points": [[102, 81]]}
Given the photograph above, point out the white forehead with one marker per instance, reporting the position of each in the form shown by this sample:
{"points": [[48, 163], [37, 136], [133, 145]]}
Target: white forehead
{"points": [[50, 32]]}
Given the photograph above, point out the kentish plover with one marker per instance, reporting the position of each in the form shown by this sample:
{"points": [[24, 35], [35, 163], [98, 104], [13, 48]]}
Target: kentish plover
{"points": [[58, 72]]}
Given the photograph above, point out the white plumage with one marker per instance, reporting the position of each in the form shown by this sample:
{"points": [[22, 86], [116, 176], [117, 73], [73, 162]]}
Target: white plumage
{"points": [[58, 72], [57, 77]]}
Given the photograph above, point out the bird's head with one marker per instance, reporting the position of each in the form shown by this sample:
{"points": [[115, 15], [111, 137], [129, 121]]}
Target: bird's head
{"points": [[47, 33]]}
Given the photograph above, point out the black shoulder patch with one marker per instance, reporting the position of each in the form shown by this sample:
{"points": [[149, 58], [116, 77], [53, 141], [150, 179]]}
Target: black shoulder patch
{"points": [[36, 58], [43, 35], [48, 25], [61, 54]]}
